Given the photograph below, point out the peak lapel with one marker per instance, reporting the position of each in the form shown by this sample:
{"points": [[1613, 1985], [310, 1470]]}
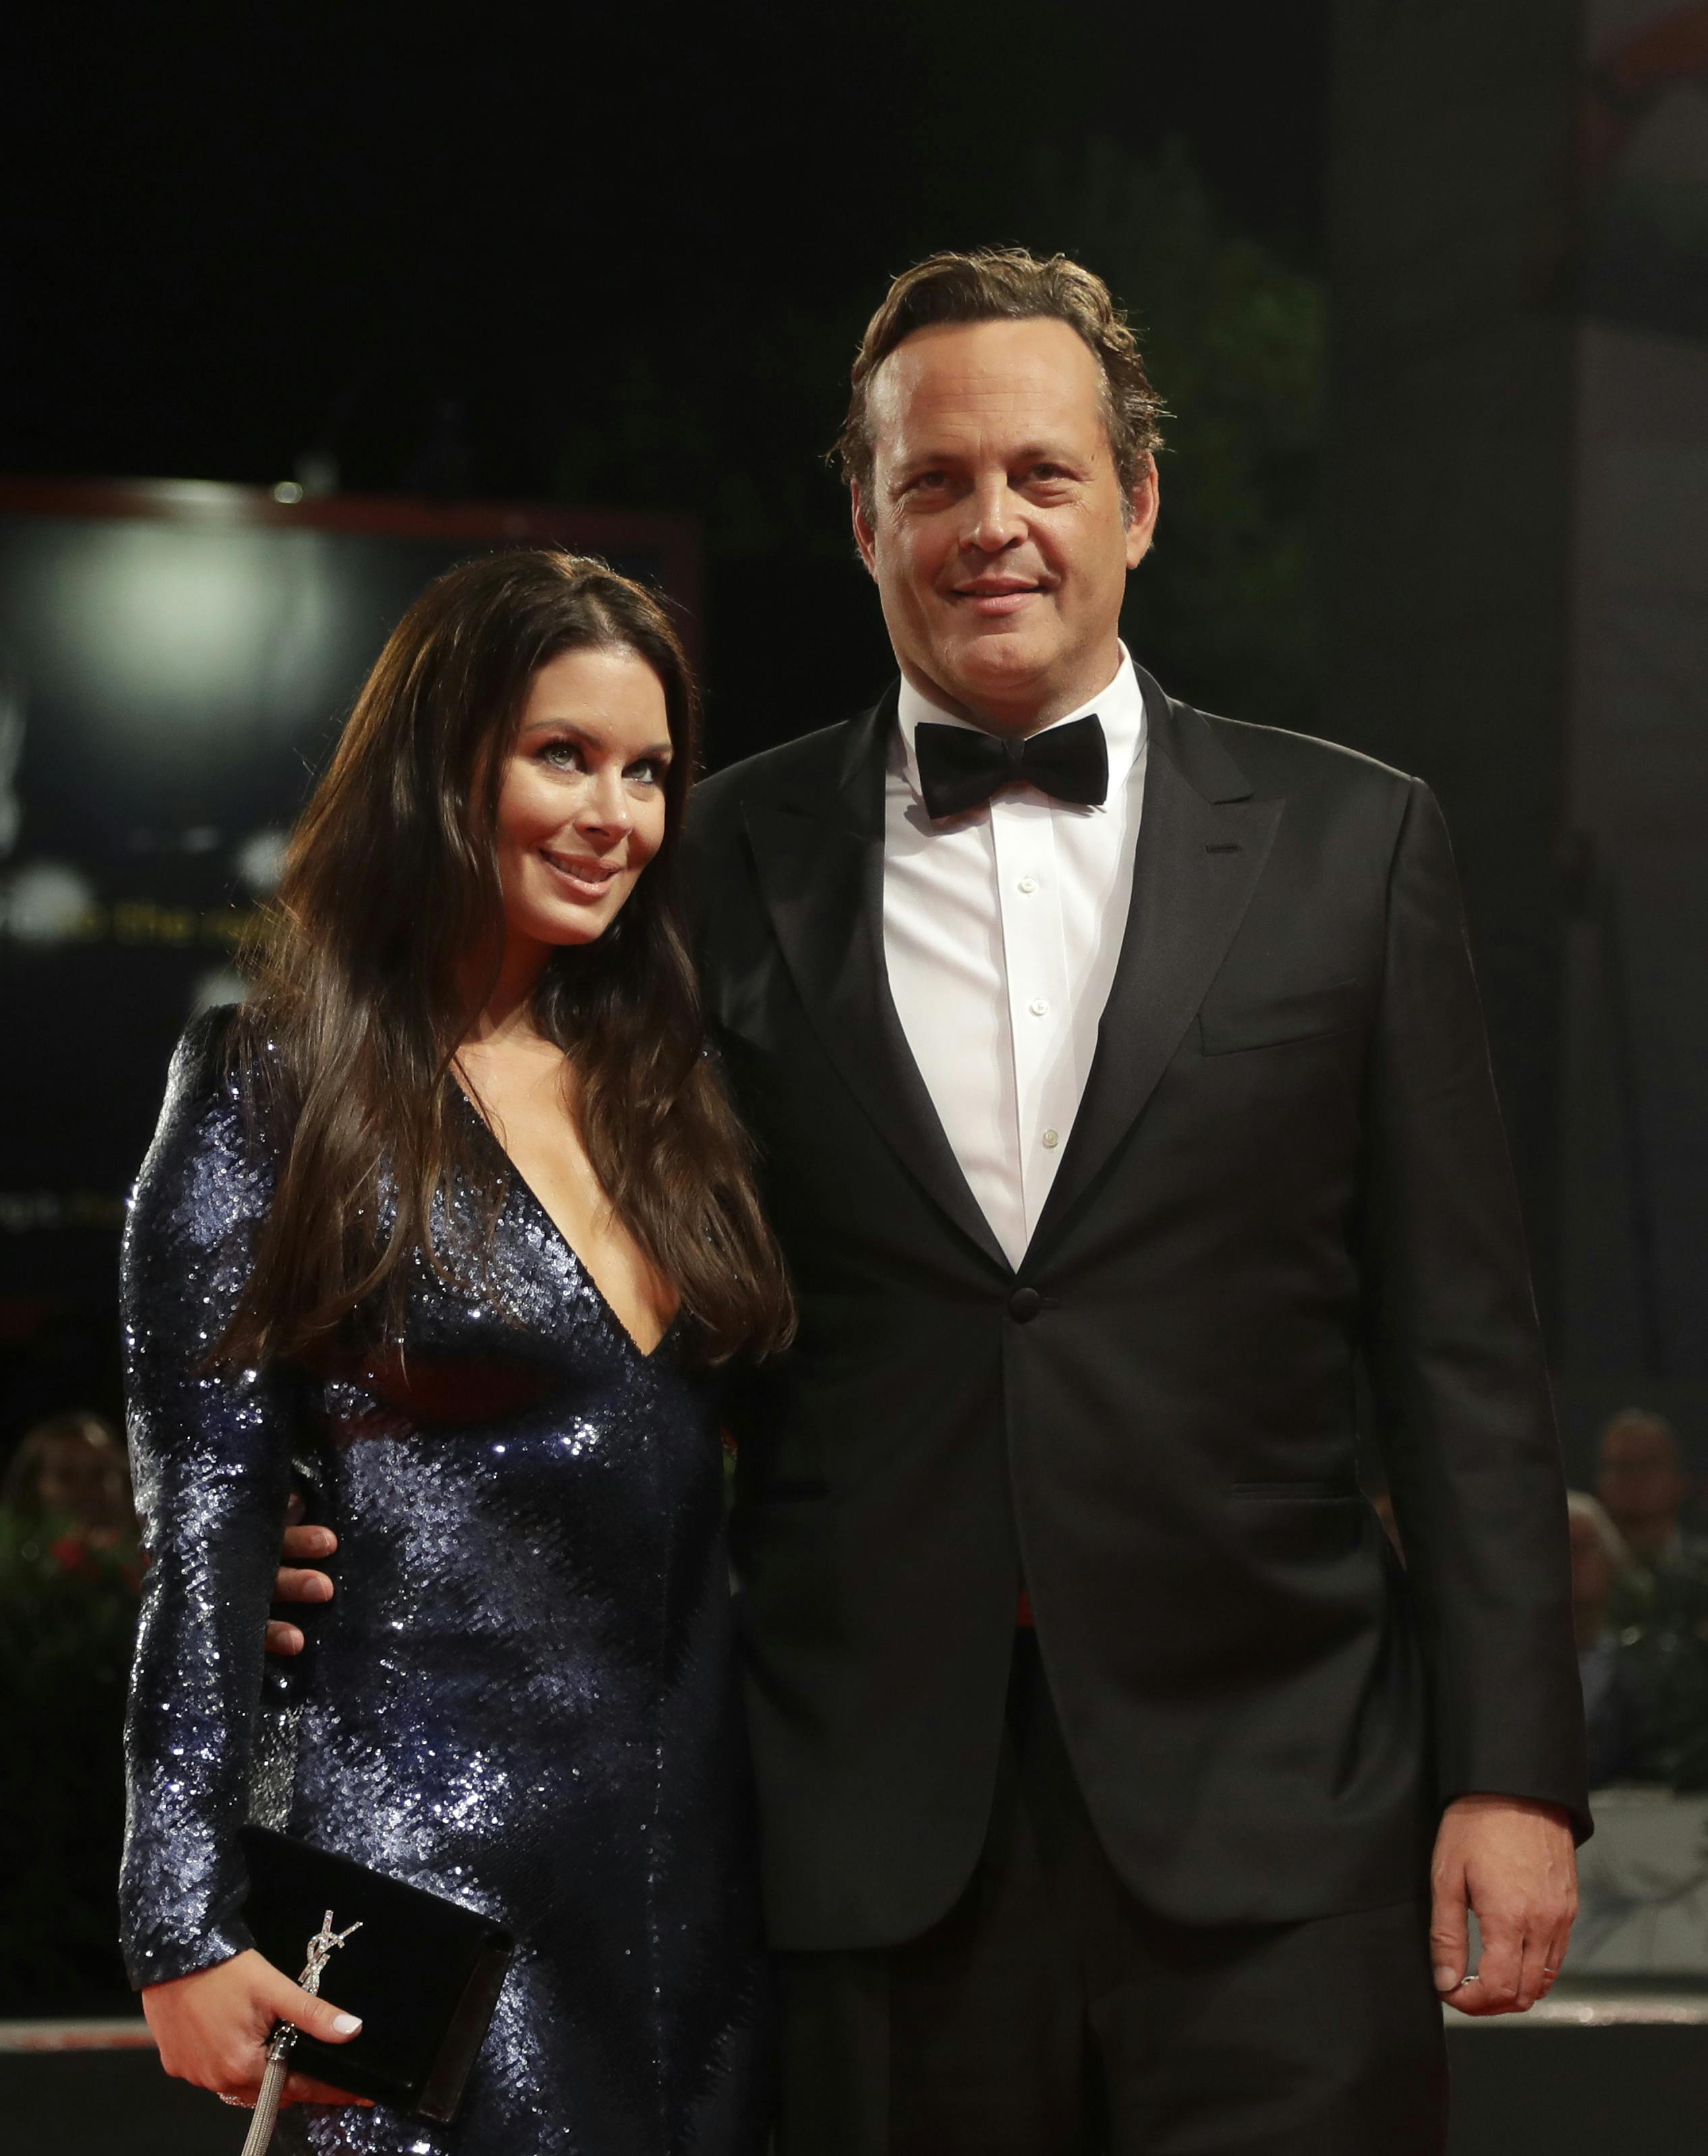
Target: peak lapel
{"points": [[1202, 842], [821, 869]]}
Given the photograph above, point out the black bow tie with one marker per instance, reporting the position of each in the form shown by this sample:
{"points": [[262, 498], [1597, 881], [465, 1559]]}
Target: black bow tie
{"points": [[959, 767]]}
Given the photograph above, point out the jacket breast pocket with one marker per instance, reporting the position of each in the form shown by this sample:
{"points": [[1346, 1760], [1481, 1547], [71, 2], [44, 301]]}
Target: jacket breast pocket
{"points": [[1227, 1025], [1297, 1493]]}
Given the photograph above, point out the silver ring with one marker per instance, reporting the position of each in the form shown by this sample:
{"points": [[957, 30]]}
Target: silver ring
{"points": [[240, 2102], [1546, 1971]]}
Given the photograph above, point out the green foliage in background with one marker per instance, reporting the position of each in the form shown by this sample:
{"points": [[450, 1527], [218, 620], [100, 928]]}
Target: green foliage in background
{"points": [[1224, 611], [68, 1616]]}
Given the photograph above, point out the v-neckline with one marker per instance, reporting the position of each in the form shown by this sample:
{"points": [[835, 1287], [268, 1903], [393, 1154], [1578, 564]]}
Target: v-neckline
{"points": [[533, 1198]]}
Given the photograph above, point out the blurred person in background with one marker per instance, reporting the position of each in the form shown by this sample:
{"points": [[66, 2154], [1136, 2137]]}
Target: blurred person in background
{"points": [[1599, 1556], [454, 1214], [1640, 1479], [66, 1499], [70, 1472], [1659, 1603], [69, 1570]]}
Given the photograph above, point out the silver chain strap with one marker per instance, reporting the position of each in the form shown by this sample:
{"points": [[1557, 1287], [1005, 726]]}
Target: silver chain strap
{"points": [[320, 1949]]}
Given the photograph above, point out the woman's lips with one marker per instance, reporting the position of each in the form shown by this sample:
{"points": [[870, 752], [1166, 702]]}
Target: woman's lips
{"points": [[583, 879]]}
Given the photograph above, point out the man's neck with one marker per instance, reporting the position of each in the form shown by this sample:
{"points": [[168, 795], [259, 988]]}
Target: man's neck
{"points": [[1024, 716]]}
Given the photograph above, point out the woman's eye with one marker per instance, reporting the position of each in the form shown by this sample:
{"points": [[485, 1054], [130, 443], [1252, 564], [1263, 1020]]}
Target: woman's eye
{"points": [[647, 771], [565, 755]]}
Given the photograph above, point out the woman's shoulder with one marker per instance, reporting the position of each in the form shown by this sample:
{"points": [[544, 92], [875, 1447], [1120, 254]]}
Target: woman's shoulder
{"points": [[229, 1044], [206, 1044], [220, 1114], [224, 1059]]}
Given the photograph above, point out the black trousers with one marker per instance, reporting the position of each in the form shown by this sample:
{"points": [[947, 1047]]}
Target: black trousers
{"points": [[1050, 2014]]}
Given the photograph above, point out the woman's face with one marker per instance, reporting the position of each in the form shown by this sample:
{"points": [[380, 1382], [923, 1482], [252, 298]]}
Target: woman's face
{"points": [[581, 802]]}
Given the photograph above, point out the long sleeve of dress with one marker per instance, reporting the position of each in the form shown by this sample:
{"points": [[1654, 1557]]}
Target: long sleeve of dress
{"points": [[211, 1454]]}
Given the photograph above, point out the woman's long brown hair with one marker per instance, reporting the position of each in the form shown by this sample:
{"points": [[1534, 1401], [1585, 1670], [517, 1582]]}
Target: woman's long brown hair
{"points": [[391, 883]]}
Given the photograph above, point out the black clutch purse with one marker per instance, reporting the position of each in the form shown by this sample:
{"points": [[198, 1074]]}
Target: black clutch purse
{"points": [[424, 1973]]}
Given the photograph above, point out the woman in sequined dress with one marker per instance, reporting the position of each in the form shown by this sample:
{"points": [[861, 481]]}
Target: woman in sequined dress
{"points": [[451, 1224]]}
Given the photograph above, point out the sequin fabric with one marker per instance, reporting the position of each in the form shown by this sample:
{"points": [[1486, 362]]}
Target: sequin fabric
{"points": [[521, 1696]]}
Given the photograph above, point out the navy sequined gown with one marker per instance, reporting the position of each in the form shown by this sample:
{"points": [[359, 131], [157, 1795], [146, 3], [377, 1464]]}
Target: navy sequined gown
{"points": [[520, 1697]]}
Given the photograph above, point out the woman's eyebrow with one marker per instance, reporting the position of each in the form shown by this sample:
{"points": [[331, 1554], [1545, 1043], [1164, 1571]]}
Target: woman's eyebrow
{"points": [[658, 752], [562, 725]]}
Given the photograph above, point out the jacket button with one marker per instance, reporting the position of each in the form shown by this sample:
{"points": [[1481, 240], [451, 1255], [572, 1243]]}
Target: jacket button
{"points": [[1024, 1304]]}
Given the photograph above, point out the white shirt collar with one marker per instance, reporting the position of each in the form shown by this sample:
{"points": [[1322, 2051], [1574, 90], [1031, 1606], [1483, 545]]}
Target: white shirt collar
{"points": [[1119, 707]]}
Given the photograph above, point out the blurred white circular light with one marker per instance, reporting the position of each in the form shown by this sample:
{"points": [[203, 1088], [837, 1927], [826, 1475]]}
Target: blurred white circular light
{"points": [[46, 902], [165, 624], [224, 985], [287, 490], [259, 860]]}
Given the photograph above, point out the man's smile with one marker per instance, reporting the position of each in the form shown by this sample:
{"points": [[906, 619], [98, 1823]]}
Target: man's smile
{"points": [[996, 596]]}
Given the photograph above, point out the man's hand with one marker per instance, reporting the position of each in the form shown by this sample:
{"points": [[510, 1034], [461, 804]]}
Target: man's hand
{"points": [[296, 1583], [1513, 1862]]}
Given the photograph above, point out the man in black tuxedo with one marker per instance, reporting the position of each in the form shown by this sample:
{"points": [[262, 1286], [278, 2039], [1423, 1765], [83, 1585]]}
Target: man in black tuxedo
{"points": [[1120, 1087], [1099, 1175]]}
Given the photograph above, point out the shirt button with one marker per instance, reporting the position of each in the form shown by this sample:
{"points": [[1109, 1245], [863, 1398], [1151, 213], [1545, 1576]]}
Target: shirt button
{"points": [[1028, 884], [1037, 1006], [1051, 1140]]}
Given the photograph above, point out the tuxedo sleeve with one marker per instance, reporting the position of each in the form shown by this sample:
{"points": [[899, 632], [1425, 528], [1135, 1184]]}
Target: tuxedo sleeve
{"points": [[1456, 1361]]}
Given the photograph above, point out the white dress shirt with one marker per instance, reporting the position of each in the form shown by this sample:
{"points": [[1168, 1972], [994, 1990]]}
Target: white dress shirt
{"points": [[1002, 929]]}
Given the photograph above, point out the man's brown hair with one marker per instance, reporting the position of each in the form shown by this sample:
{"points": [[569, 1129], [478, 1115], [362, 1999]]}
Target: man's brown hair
{"points": [[1007, 283]]}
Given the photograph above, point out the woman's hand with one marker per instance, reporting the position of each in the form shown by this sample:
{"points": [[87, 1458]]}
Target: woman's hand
{"points": [[212, 2027]]}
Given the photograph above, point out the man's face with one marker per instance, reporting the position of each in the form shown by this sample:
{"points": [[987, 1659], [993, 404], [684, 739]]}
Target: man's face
{"points": [[994, 522], [1641, 1481]]}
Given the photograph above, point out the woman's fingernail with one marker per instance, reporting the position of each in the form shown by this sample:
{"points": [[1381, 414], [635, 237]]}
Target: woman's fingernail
{"points": [[347, 2024], [1445, 1980]]}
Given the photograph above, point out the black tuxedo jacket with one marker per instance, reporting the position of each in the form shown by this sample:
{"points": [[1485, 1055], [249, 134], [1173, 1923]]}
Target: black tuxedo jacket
{"points": [[1289, 1157]]}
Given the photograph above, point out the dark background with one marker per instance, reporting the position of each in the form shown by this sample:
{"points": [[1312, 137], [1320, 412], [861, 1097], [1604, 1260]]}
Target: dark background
{"points": [[611, 257]]}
